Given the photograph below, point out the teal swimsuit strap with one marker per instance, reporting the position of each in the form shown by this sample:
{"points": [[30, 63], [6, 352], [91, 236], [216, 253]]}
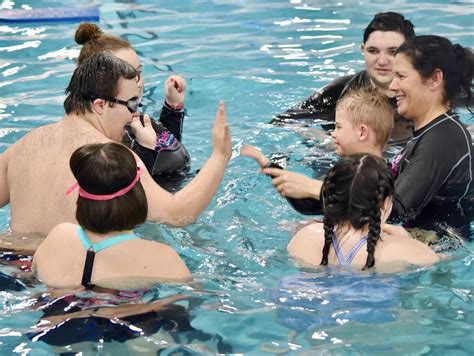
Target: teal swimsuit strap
{"points": [[99, 246]]}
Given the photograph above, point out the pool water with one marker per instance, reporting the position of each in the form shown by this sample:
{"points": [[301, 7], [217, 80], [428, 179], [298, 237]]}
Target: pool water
{"points": [[260, 57]]}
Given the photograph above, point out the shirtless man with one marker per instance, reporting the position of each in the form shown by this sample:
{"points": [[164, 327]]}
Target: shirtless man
{"points": [[102, 97]]}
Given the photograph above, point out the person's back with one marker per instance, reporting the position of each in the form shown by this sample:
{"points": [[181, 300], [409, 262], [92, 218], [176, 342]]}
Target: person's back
{"points": [[396, 249], [357, 194], [129, 265], [36, 174], [102, 250]]}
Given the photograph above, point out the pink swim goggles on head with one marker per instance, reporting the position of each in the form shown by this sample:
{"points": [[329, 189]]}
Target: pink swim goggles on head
{"points": [[102, 197]]}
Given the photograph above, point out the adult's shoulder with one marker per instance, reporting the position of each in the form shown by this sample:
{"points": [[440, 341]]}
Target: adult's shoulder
{"points": [[446, 129]]}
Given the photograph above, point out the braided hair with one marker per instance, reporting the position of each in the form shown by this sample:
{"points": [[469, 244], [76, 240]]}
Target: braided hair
{"points": [[352, 192]]}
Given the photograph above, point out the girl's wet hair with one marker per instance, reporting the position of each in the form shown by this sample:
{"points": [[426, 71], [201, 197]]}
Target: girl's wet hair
{"points": [[430, 53], [93, 40], [352, 193], [390, 21], [105, 168]]}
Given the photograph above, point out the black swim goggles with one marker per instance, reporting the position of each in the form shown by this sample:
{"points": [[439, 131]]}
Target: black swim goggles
{"points": [[132, 105]]}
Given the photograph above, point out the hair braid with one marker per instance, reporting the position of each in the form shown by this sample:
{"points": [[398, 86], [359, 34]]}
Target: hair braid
{"points": [[329, 199], [374, 224]]}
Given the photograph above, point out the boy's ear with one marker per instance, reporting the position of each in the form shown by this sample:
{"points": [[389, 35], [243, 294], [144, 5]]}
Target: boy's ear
{"points": [[98, 105], [363, 132]]}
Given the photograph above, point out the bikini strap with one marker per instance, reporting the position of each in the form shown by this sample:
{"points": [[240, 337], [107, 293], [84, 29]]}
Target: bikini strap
{"points": [[340, 256], [355, 249], [346, 260], [87, 273], [92, 249], [114, 240], [83, 237], [101, 245], [88, 265]]}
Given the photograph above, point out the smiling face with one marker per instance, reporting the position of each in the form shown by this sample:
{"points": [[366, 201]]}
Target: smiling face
{"points": [[130, 56], [412, 92], [379, 53], [346, 135]]}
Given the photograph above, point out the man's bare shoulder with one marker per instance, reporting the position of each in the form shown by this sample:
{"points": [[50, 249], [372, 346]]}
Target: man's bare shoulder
{"points": [[33, 137]]}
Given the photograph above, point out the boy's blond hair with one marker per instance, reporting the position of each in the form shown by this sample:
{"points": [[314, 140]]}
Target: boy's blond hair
{"points": [[370, 107]]}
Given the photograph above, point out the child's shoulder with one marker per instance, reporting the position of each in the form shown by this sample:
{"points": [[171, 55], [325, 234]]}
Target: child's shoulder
{"points": [[63, 228], [310, 232]]}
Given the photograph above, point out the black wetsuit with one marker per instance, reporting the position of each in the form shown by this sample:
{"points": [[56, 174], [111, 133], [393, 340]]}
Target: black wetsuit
{"points": [[305, 206], [169, 161], [434, 172], [321, 107]]}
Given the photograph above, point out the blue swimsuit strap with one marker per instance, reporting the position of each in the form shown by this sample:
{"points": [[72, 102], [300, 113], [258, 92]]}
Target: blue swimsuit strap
{"points": [[99, 246], [346, 260]]}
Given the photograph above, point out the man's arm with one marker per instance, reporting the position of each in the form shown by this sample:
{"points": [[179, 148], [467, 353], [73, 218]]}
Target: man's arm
{"points": [[185, 206], [320, 105]]}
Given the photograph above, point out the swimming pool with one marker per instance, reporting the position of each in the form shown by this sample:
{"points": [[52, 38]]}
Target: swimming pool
{"points": [[260, 57]]}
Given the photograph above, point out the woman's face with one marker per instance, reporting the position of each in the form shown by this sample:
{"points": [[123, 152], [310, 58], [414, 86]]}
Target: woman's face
{"points": [[411, 91], [379, 53], [130, 56]]}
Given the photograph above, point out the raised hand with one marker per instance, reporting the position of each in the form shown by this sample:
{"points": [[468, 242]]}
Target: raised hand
{"points": [[175, 87], [221, 142]]}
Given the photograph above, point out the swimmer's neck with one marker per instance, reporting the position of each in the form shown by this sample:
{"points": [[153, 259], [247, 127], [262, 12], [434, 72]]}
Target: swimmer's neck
{"points": [[87, 120], [96, 237], [346, 233]]}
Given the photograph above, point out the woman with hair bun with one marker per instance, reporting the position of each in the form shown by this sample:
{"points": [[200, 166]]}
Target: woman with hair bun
{"points": [[159, 146], [357, 199], [434, 171]]}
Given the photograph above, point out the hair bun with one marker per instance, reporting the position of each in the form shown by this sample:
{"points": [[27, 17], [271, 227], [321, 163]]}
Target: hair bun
{"points": [[86, 32]]}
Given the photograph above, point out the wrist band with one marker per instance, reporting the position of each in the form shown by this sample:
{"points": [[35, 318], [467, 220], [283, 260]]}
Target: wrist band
{"points": [[179, 106]]}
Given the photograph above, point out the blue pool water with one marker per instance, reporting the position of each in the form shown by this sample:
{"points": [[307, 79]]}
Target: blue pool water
{"points": [[260, 57]]}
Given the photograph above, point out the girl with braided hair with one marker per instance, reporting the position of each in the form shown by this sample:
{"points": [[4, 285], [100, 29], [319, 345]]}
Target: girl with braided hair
{"points": [[357, 199]]}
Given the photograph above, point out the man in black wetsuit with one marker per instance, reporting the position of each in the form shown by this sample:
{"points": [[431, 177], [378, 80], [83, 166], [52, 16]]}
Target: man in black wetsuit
{"points": [[384, 34]]}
